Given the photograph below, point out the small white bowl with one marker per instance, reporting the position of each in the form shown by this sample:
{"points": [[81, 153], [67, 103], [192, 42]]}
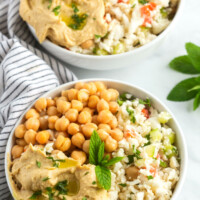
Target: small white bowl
{"points": [[121, 87], [109, 62]]}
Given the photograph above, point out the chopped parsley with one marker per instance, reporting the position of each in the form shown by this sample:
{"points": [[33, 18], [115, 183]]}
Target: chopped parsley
{"points": [[163, 12], [78, 21], [61, 187], [50, 3], [50, 193], [133, 6], [163, 164], [136, 154], [123, 97], [148, 138], [38, 164], [84, 198], [75, 8], [55, 161], [131, 114], [86, 173], [94, 182], [97, 36], [145, 102], [56, 10], [36, 194], [143, 2], [45, 179], [123, 184], [150, 177]]}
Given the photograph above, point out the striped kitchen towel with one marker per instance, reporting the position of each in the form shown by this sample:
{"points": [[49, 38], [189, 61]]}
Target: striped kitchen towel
{"points": [[25, 74]]}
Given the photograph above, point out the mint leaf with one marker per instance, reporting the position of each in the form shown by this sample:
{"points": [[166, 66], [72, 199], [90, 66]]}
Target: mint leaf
{"points": [[197, 87], [95, 143], [101, 152], [181, 91], [113, 161], [184, 65], [103, 176], [196, 103], [194, 54]]}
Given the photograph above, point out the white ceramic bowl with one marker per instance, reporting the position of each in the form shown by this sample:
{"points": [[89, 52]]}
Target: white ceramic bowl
{"points": [[121, 87], [109, 62]]}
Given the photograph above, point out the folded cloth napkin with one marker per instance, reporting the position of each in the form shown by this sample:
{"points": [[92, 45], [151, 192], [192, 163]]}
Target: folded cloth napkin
{"points": [[25, 74]]}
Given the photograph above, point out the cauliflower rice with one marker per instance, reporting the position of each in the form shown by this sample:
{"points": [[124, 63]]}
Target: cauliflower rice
{"points": [[149, 142], [132, 23]]}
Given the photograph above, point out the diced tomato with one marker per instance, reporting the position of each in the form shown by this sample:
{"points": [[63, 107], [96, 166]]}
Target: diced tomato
{"points": [[123, 1], [129, 133], [145, 112], [153, 171], [158, 156], [152, 6], [147, 20]]}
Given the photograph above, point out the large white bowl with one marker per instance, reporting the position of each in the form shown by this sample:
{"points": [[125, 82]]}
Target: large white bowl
{"points": [[110, 61], [121, 87]]}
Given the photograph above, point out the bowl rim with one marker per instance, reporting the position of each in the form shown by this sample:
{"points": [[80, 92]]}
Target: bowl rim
{"points": [[107, 57], [184, 152]]}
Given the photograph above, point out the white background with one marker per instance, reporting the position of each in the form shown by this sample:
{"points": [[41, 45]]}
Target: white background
{"points": [[154, 75]]}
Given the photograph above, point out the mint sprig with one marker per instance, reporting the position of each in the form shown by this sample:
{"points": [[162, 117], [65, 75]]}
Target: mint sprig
{"points": [[96, 157], [188, 64]]}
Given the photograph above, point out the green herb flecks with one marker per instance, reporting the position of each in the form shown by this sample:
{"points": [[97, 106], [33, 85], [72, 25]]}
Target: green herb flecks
{"points": [[45, 179], [75, 8], [94, 183], [131, 114], [56, 161], [163, 164], [61, 187], [38, 164], [145, 102], [56, 10], [124, 97], [136, 154], [188, 64], [123, 184], [84, 198], [36, 194], [96, 157], [97, 36], [148, 138], [50, 3], [164, 12], [50, 193], [150, 177], [143, 2]]}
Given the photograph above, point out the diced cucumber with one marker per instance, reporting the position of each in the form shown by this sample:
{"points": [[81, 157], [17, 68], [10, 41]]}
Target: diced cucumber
{"points": [[164, 117], [155, 136], [140, 163], [170, 151], [172, 138], [100, 52], [150, 150], [119, 48]]}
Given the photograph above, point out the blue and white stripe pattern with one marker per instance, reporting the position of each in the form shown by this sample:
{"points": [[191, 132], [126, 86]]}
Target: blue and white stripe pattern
{"points": [[25, 74]]}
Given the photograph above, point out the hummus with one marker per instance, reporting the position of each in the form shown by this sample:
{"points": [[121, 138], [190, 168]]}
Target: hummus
{"points": [[35, 172], [67, 23]]}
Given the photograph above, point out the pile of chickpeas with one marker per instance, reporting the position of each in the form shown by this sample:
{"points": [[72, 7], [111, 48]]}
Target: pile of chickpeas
{"points": [[69, 121]]}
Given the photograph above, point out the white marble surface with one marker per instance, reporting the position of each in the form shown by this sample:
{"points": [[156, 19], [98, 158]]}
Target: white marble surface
{"points": [[155, 76]]}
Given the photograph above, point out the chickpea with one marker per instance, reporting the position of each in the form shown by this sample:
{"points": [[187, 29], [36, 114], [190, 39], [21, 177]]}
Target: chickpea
{"points": [[83, 95], [91, 87], [33, 123], [93, 100], [113, 106], [41, 104], [51, 121], [43, 122], [73, 128], [80, 156], [17, 151], [62, 124], [57, 99], [88, 129], [72, 115], [91, 111], [79, 85], [113, 122], [30, 137], [114, 94], [63, 106], [86, 146], [106, 95], [103, 134], [84, 117], [87, 44], [116, 134], [32, 113], [52, 110], [21, 142], [72, 94], [42, 137], [104, 116], [64, 93], [94, 119], [50, 102], [78, 139], [132, 173], [64, 134], [102, 105], [106, 127], [100, 86], [77, 105], [62, 143], [20, 131], [110, 144]]}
